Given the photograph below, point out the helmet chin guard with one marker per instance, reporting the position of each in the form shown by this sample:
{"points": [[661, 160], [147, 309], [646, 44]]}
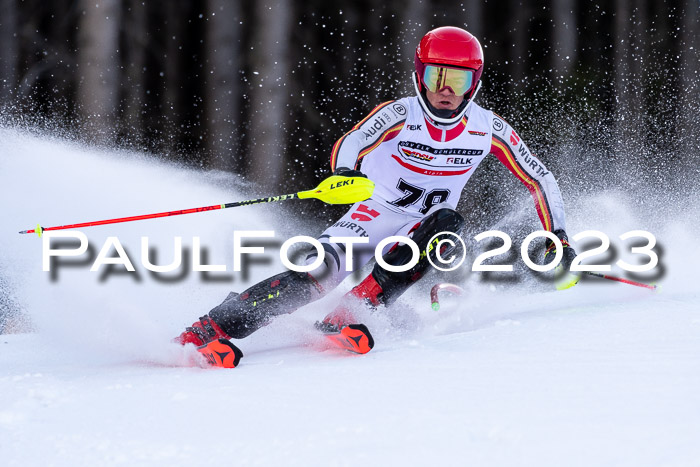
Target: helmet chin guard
{"points": [[432, 113]]}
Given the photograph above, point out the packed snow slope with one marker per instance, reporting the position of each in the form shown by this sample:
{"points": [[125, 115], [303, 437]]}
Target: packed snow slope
{"points": [[511, 373]]}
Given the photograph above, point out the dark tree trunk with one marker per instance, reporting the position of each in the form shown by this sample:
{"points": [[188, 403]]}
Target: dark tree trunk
{"points": [[135, 40], [98, 64], [269, 95], [564, 37], [8, 50], [223, 89]]}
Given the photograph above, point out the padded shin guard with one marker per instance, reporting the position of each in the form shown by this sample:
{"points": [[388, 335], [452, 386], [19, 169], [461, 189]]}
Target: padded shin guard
{"points": [[241, 315], [394, 284]]}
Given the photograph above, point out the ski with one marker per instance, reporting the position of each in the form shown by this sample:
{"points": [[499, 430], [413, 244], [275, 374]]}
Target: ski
{"points": [[221, 353], [352, 337]]}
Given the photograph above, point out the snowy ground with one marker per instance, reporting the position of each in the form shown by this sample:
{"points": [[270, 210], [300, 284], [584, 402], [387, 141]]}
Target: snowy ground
{"points": [[601, 374]]}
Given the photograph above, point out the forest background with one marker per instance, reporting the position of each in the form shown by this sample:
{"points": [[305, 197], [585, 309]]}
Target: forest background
{"points": [[262, 89]]}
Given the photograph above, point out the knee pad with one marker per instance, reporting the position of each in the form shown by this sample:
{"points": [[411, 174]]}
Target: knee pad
{"points": [[394, 284], [332, 271], [242, 314]]}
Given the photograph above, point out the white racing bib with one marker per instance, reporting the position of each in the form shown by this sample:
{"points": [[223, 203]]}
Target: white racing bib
{"points": [[423, 166]]}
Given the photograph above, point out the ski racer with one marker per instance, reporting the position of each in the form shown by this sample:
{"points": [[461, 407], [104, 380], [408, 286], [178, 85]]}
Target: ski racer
{"points": [[420, 152]]}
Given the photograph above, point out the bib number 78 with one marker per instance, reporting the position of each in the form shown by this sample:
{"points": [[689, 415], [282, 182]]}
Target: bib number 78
{"points": [[414, 194]]}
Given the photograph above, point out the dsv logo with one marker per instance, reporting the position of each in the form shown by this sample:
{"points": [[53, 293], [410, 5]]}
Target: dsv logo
{"points": [[417, 155], [399, 109]]}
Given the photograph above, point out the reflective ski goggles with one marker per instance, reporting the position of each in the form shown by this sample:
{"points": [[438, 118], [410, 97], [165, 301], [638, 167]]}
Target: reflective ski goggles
{"points": [[437, 78]]}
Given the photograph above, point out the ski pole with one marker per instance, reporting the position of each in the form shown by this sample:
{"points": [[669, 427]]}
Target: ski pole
{"points": [[437, 288], [619, 279], [335, 189]]}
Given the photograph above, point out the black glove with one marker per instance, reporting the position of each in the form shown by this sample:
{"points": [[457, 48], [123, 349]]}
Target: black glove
{"points": [[345, 172], [564, 278], [568, 254]]}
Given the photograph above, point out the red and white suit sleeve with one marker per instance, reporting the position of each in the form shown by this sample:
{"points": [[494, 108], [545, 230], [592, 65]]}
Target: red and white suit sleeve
{"points": [[507, 146], [382, 124]]}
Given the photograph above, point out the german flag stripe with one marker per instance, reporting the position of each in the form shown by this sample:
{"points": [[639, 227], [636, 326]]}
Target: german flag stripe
{"points": [[339, 143], [336, 149], [501, 150], [388, 135], [371, 114]]}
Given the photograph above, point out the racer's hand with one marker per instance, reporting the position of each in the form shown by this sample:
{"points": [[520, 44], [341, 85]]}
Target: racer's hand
{"points": [[345, 172], [563, 277]]}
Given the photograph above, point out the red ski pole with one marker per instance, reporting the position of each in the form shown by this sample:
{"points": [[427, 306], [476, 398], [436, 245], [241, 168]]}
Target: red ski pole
{"points": [[333, 190], [39, 229], [624, 281]]}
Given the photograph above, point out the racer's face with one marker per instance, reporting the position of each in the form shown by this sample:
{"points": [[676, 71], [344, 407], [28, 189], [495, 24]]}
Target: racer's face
{"points": [[444, 99]]}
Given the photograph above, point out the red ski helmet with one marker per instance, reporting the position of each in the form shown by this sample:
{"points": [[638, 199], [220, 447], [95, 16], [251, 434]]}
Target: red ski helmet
{"points": [[448, 57]]}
